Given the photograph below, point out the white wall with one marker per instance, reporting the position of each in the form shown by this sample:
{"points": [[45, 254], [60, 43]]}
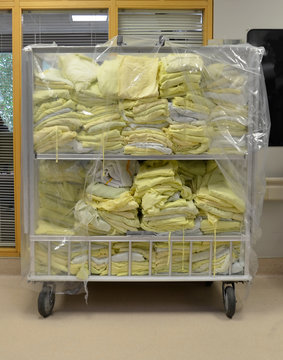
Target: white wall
{"points": [[232, 20]]}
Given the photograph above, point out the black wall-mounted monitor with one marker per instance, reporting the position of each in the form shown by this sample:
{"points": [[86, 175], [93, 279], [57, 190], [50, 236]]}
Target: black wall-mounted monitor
{"points": [[272, 41]]}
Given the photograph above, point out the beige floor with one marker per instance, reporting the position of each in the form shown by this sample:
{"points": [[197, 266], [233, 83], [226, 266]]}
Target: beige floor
{"points": [[143, 321]]}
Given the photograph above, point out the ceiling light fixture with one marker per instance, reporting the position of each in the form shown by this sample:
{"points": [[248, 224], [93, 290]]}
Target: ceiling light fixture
{"points": [[89, 17]]}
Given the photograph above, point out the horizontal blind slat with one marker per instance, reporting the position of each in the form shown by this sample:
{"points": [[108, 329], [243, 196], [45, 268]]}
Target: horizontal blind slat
{"points": [[183, 26]]}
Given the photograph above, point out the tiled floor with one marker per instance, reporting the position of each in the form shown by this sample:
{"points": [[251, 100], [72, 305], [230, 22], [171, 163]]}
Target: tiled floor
{"points": [[143, 321]]}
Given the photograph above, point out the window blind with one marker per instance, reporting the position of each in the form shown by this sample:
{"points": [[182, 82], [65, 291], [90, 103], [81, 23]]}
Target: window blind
{"points": [[7, 214], [178, 26], [46, 27]]}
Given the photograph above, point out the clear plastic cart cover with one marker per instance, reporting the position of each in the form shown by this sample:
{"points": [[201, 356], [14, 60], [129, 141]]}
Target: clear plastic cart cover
{"points": [[161, 147]]}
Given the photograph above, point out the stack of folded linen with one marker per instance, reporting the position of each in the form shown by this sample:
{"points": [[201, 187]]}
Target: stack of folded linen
{"points": [[166, 203], [120, 259], [223, 226], [60, 187], [145, 119], [226, 86], [179, 74], [79, 257], [229, 123], [102, 127], [109, 209], [51, 79], [59, 259], [180, 258], [99, 258], [200, 258], [217, 202], [55, 120], [221, 259], [188, 130]]}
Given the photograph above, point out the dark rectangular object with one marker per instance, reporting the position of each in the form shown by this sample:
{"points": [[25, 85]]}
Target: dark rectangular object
{"points": [[272, 41]]}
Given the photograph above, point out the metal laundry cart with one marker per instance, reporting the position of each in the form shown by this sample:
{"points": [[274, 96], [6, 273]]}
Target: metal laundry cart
{"points": [[244, 161]]}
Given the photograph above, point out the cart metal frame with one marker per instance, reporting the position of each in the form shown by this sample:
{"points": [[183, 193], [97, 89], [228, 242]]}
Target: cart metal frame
{"points": [[29, 191]]}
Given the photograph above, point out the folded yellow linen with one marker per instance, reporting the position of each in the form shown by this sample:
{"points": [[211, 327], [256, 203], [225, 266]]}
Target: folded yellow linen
{"points": [[79, 69], [138, 77]]}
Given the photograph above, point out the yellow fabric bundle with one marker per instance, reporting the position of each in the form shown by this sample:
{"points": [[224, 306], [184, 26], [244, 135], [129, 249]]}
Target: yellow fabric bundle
{"points": [[179, 74], [108, 77], [182, 62], [200, 258], [51, 79], [55, 117], [107, 210], [59, 260], [229, 123], [59, 188], [146, 141], [53, 138], [81, 70], [145, 118], [188, 139], [161, 259], [90, 96], [216, 199], [225, 84], [102, 127], [222, 226], [137, 77], [165, 201]]}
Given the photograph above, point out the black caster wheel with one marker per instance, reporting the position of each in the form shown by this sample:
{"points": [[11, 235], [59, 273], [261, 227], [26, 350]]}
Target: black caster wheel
{"points": [[46, 300], [229, 299]]}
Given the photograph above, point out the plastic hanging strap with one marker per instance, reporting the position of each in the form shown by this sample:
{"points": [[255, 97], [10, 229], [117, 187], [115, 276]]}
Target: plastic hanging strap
{"points": [[169, 248], [86, 292], [183, 254], [57, 144]]}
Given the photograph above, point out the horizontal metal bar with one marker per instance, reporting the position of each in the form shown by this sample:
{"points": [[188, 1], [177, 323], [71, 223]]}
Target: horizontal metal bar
{"points": [[152, 278], [119, 49], [137, 238], [131, 157]]}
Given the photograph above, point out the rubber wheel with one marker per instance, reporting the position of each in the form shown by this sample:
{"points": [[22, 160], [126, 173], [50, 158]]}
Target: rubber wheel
{"points": [[229, 300], [46, 301]]}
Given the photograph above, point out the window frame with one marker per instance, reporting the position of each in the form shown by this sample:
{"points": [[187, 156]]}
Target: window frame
{"points": [[113, 6]]}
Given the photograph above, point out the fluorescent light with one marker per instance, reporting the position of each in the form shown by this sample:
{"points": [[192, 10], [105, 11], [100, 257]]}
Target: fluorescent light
{"points": [[89, 17]]}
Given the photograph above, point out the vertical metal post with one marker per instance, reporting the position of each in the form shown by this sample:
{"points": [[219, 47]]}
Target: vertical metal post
{"points": [[210, 258], [130, 259], [109, 258], [49, 257], [191, 258], [89, 258], [150, 259], [69, 258]]}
